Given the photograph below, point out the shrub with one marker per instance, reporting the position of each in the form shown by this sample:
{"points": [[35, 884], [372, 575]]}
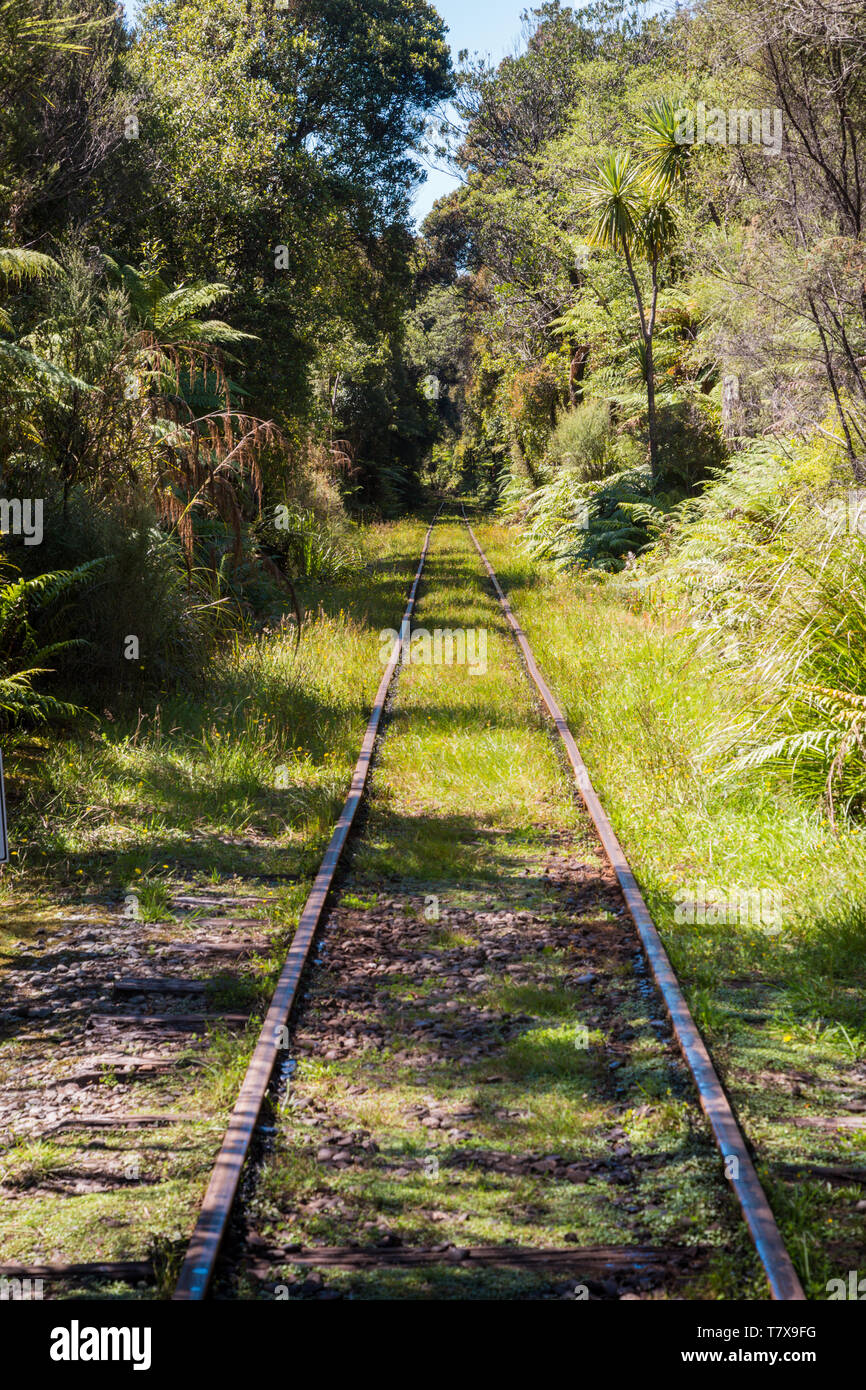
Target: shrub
{"points": [[580, 442], [23, 657], [767, 570], [302, 545], [141, 590], [809, 714], [690, 445], [534, 397]]}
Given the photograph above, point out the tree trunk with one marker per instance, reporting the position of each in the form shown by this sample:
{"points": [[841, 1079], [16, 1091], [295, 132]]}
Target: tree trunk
{"points": [[576, 371], [650, 371], [651, 409], [647, 327]]}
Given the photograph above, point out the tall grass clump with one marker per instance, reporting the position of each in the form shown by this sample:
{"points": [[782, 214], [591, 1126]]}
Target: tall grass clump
{"points": [[808, 713], [305, 546], [767, 571], [580, 442]]}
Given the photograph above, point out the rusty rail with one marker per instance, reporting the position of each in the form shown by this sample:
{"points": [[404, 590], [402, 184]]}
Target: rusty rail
{"points": [[204, 1247], [782, 1277]]}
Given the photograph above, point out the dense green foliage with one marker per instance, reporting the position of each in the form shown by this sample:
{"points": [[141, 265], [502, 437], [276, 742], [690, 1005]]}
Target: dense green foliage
{"points": [[658, 254], [642, 309], [205, 362]]}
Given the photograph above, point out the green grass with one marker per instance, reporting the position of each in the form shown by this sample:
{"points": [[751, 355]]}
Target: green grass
{"points": [[771, 1003], [244, 780], [25, 1164], [240, 780], [467, 795], [262, 749]]}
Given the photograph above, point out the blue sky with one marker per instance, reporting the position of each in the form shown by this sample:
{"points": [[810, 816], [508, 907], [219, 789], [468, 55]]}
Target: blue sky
{"points": [[489, 27]]}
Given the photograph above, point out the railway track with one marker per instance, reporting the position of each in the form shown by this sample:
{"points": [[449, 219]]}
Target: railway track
{"points": [[368, 944], [199, 1266]]}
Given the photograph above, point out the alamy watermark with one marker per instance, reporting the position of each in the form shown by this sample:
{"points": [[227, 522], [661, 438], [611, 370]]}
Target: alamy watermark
{"points": [[739, 125], [457, 646], [77, 1343], [854, 1288], [22, 516], [24, 1290], [715, 907]]}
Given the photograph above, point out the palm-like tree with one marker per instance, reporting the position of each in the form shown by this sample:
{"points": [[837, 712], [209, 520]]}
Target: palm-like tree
{"points": [[627, 214], [204, 452], [170, 326], [27, 40], [666, 157]]}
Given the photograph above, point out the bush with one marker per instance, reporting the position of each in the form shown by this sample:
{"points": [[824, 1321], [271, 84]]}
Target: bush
{"points": [[28, 605], [534, 396], [590, 525], [690, 445], [769, 573], [142, 591], [580, 442], [807, 714], [303, 546]]}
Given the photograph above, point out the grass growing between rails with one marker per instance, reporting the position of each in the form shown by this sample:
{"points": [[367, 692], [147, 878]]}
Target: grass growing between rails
{"points": [[772, 953], [479, 1061], [237, 788]]}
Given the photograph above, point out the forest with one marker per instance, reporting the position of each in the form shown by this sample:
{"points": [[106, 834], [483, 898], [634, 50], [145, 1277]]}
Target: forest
{"points": [[644, 328], [206, 271], [237, 382]]}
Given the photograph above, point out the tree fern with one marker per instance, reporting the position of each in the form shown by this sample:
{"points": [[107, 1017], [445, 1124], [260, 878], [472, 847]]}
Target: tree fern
{"points": [[173, 315]]}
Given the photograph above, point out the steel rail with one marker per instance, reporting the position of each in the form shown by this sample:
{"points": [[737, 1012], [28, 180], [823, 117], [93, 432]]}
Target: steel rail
{"points": [[204, 1247], [767, 1239]]}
